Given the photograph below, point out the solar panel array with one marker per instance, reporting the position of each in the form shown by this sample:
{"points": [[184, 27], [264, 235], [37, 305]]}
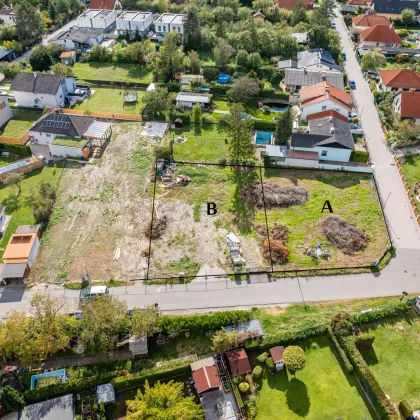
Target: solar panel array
{"points": [[57, 121]]}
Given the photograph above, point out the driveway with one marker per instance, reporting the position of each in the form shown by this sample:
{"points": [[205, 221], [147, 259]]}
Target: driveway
{"points": [[404, 229]]}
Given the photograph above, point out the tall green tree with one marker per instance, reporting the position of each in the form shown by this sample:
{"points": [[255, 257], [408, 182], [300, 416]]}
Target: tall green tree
{"points": [[40, 58], [171, 57], [165, 401], [192, 30], [284, 127], [223, 341], [300, 13], [241, 145], [223, 53], [29, 26], [294, 358], [408, 17], [145, 322], [195, 63], [373, 60], [156, 101], [196, 114], [244, 89], [52, 10]]}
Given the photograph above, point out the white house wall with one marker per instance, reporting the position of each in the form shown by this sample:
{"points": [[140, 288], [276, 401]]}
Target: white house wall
{"points": [[33, 252], [333, 154], [326, 105], [372, 44], [8, 20], [65, 151], [42, 138], [28, 99], [5, 113], [304, 163]]}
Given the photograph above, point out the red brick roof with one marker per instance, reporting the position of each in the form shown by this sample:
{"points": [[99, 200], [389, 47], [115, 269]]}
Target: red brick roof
{"points": [[238, 362], [357, 2], [324, 91], [276, 353], [410, 104], [330, 113], [206, 378], [102, 4], [380, 33], [401, 78], [370, 20], [291, 4]]}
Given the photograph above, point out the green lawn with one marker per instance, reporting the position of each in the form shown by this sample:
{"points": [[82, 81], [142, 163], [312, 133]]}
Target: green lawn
{"points": [[205, 143], [351, 196], [411, 169], [251, 109], [20, 123], [110, 100], [320, 391], [16, 206], [6, 160], [394, 360], [106, 71]]}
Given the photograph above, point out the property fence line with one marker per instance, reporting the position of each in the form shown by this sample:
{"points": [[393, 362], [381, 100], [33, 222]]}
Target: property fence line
{"points": [[107, 115], [407, 190], [15, 140]]}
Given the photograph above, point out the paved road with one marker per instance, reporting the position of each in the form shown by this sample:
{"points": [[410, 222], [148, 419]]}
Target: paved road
{"points": [[403, 273]]}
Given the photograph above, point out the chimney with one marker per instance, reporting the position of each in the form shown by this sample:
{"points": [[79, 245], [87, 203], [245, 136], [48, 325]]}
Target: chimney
{"points": [[324, 76], [332, 130], [35, 74], [327, 88], [330, 118], [305, 71]]}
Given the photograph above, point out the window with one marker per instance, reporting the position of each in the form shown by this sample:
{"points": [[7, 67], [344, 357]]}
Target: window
{"points": [[324, 153], [388, 44], [179, 29], [61, 96], [324, 107], [377, 44], [159, 28], [164, 28], [47, 135]]}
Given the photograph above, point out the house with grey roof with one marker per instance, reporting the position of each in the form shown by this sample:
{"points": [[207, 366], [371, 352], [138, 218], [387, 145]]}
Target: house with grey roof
{"points": [[393, 8], [189, 99], [35, 90], [315, 59], [329, 135], [79, 39], [65, 135], [296, 78]]}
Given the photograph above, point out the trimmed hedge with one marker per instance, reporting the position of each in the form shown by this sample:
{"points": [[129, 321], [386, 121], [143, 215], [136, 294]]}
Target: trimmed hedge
{"points": [[57, 390], [17, 149], [264, 125], [272, 94], [166, 371], [204, 323], [345, 362], [238, 396], [375, 393], [359, 156], [405, 408], [365, 340], [389, 310], [290, 337]]}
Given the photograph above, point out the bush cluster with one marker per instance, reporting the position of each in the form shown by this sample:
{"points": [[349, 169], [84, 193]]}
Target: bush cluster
{"points": [[264, 125], [269, 363], [238, 396], [256, 373], [203, 323], [359, 156], [16, 149], [262, 358], [405, 408], [388, 310], [244, 387], [365, 340], [384, 407]]}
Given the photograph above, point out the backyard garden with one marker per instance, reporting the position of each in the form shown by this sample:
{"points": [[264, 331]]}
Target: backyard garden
{"points": [[20, 123]]}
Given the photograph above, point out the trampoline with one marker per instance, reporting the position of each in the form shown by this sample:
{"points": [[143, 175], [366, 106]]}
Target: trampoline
{"points": [[130, 96]]}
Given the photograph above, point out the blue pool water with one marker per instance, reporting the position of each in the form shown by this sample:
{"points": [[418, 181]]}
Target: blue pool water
{"points": [[262, 138], [278, 109]]}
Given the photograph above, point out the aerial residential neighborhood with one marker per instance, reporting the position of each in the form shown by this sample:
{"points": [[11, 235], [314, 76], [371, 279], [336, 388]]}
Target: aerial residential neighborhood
{"points": [[210, 210]]}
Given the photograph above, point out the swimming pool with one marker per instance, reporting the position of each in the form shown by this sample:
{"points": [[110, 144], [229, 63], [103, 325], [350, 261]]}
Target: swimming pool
{"points": [[14, 165], [263, 138], [278, 109]]}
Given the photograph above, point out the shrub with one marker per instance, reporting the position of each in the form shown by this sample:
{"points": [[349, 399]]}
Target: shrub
{"points": [[264, 125], [342, 324], [16, 149], [238, 397], [405, 409], [11, 399], [365, 340], [359, 156], [389, 310], [294, 358], [269, 363], [262, 357], [210, 74], [256, 373], [207, 119], [244, 387]]}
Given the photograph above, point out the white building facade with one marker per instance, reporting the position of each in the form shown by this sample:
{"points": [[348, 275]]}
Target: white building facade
{"points": [[97, 19], [169, 22], [132, 21]]}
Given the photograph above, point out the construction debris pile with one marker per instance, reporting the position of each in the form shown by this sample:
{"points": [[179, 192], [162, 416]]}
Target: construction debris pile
{"points": [[234, 245], [158, 229], [318, 252], [278, 237], [167, 173], [343, 235], [275, 195]]}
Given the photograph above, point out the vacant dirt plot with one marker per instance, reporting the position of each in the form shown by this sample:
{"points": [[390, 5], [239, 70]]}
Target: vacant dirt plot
{"points": [[101, 214], [193, 241]]}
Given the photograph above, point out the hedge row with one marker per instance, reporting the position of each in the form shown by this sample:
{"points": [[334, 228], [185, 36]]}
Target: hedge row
{"points": [[359, 156], [264, 125], [204, 323], [388, 310], [289, 337], [238, 396], [345, 362], [17, 149], [384, 408], [165, 371], [57, 390]]}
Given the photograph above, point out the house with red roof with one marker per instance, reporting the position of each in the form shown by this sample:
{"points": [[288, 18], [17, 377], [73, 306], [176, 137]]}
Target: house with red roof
{"points": [[323, 97], [238, 362], [357, 4], [368, 21], [105, 4], [379, 36], [398, 80], [291, 4], [407, 105]]}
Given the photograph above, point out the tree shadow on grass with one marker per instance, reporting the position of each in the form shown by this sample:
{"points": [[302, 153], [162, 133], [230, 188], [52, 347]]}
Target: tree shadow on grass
{"points": [[278, 381], [244, 213], [297, 397], [11, 202]]}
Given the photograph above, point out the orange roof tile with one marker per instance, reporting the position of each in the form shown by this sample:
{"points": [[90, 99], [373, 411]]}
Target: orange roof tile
{"points": [[67, 54], [329, 113], [380, 33], [291, 4], [206, 378], [238, 362], [102, 4], [357, 2], [370, 20], [410, 104], [400, 78], [19, 247], [324, 91]]}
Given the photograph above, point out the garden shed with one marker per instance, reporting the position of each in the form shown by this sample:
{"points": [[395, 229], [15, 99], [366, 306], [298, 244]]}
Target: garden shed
{"points": [[238, 362], [276, 354], [105, 393], [252, 328]]}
